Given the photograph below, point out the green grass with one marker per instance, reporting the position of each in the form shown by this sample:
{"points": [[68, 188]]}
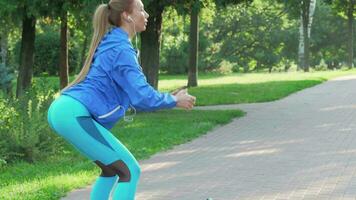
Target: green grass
{"points": [[248, 93], [148, 134], [249, 88], [45, 180]]}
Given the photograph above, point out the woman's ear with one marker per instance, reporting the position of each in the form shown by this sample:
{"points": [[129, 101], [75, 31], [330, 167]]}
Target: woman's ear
{"points": [[125, 16]]}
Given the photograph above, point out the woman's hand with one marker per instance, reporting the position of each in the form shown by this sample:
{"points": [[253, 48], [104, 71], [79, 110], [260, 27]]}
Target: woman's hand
{"points": [[174, 92], [184, 100]]}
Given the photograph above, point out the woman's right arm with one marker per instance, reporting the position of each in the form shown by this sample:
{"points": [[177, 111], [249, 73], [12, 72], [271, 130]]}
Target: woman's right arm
{"points": [[127, 74]]}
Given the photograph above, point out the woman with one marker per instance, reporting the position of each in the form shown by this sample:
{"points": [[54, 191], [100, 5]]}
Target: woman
{"points": [[110, 82]]}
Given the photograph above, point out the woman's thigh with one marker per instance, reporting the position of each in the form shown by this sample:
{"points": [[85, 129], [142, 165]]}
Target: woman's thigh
{"points": [[70, 120]]}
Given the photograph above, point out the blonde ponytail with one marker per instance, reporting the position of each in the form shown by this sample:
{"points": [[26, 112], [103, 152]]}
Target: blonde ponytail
{"points": [[101, 25], [106, 15]]}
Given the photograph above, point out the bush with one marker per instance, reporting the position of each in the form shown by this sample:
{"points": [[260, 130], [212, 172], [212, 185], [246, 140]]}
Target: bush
{"points": [[322, 66], [225, 67], [24, 131], [47, 46]]}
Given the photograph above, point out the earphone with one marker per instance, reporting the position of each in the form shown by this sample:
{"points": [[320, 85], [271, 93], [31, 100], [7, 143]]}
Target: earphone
{"points": [[129, 18], [133, 21]]}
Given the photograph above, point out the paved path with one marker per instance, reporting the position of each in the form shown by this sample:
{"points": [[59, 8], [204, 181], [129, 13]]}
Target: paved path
{"points": [[300, 147]]}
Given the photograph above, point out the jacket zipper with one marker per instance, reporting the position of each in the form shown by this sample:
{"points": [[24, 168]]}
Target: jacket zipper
{"points": [[110, 113]]}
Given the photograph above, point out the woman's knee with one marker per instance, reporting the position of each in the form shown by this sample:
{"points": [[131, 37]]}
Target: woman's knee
{"points": [[126, 171]]}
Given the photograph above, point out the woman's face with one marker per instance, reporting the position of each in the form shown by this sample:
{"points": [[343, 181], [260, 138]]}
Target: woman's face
{"points": [[139, 16]]}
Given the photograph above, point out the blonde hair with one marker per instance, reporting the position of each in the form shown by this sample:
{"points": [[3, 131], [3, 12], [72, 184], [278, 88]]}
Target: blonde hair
{"points": [[105, 16]]}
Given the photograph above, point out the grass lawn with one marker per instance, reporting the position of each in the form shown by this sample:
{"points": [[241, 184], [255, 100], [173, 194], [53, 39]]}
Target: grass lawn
{"points": [[249, 88], [53, 178]]}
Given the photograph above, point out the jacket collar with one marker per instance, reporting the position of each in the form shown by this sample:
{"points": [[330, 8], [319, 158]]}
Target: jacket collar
{"points": [[119, 32], [116, 36]]}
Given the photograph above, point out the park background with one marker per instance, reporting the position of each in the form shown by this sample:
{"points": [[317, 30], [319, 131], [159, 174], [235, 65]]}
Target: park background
{"points": [[226, 51]]}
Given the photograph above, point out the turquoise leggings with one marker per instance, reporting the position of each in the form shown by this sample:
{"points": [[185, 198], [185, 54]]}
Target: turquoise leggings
{"points": [[71, 120]]}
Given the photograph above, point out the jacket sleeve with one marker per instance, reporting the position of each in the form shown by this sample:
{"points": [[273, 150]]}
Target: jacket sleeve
{"points": [[128, 75]]}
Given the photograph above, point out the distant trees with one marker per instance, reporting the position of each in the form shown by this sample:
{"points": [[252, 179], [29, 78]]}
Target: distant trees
{"points": [[346, 9], [239, 35], [151, 38], [305, 9]]}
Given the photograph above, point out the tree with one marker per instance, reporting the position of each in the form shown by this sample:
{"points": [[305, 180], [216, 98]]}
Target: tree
{"points": [[329, 46], [346, 9], [194, 45], [30, 10], [248, 35], [304, 9], [151, 40], [27, 51], [61, 9], [350, 20], [307, 12], [7, 23], [63, 55], [82, 12], [195, 7], [194, 10]]}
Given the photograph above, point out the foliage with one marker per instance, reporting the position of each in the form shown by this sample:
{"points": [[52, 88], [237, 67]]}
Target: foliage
{"points": [[253, 37], [341, 6], [47, 45], [249, 37], [6, 77], [174, 54], [24, 131], [327, 43]]}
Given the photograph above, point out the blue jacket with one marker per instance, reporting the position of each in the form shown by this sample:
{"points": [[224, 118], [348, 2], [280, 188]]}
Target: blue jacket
{"points": [[115, 81]]}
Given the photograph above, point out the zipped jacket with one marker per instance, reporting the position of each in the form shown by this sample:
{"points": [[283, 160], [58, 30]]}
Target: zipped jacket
{"points": [[115, 82]]}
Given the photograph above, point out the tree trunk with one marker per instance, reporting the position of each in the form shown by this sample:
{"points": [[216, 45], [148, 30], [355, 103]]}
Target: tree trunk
{"points": [[350, 19], [306, 46], [301, 44], [245, 68], [305, 17], [63, 55], [26, 53], [287, 65], [150, 46], [193, 50], [307, 12]]}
